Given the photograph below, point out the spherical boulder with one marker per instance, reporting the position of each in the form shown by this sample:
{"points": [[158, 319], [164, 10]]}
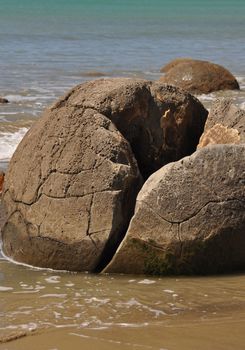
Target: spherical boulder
{"points": [[197, 76], [69, 191], [162, 123], [71, 185], [189, 217]]}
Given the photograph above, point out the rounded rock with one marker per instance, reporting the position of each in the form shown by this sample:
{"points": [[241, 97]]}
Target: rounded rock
{"points": [[189, 217], [162, 123], [69, 191], [197, 76]]}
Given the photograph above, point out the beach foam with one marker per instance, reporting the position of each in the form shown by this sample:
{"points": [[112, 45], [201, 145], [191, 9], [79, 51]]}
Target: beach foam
{"points": [[9, 141]]}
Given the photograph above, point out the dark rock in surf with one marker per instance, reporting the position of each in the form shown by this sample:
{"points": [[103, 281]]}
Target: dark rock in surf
{"points": [[3, 100], [198, 76]]}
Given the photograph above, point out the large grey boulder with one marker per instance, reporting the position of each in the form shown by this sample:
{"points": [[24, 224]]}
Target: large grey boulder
{"points": [[197, 76], [69, 191], [189, 217], [162, 123], [71, 185], [225, 124]]}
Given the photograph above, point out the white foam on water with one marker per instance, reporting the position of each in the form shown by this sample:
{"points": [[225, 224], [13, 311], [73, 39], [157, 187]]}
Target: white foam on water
{"points": [[5, 289], [146, 281], [207, 97], [53, 295], [8, 143], [21, 98], [242, 105], [168, 291], [53, 279]]}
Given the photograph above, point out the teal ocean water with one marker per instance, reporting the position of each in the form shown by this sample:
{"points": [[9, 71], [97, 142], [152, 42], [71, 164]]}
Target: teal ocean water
{"points": [[50, 45]]}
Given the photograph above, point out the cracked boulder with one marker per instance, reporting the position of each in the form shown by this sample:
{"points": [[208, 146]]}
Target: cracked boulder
{"points": [[71, 185], [225, 124], [69, 192], [189, 217], [162, 123], [197, 76]]}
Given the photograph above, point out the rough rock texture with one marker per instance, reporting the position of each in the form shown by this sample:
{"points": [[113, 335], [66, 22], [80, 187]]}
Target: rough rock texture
{"points": [[3, 100], [161, 123], [225, 124], [219, 134], [72, 183], [189, 218], [198, 76], [69, 192]]}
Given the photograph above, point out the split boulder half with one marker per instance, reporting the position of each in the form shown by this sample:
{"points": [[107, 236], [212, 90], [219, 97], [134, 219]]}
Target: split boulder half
{"points": [[197, 76], [71, 186], [189, 217]]}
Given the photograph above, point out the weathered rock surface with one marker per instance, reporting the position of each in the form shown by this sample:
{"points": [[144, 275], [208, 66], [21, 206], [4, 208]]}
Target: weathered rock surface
{"points": [[225, 124], [174, 63], [161, 123], [219, 134], [69, 191], [189, 218], [72, 183], [3, 100], [197, 76]]}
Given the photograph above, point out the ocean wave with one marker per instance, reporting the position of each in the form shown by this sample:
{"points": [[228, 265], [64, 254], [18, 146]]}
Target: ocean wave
{"points": [[9, 141], [20, 98]]}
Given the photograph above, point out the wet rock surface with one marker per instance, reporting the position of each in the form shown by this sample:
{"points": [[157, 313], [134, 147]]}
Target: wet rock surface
{"points": [[189, 217], [197, 76]]}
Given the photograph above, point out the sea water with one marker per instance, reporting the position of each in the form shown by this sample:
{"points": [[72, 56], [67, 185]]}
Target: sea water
{"points": [[48, 46]]}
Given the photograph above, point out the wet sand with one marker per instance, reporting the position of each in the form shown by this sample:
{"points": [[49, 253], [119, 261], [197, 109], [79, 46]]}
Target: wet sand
{"points": [[45, 309], [221, 335]]}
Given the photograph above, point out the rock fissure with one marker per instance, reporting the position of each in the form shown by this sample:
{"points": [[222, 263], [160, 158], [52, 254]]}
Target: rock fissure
{"points": [[175, 222], [89, 215]]}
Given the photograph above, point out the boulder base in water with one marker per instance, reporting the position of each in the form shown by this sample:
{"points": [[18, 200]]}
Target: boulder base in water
{"points": [[189, 217], [72, 183], [70, 191]]}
